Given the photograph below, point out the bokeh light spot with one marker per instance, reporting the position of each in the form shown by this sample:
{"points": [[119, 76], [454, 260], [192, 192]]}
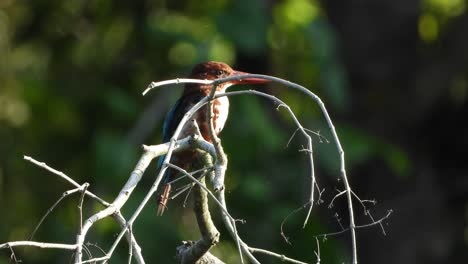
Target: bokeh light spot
{"points": [[294, 13], [16, 112], [459, 90], [115, 37], [221, 50], [199, 29], [182, 53], [448, 8], [428, 28]]}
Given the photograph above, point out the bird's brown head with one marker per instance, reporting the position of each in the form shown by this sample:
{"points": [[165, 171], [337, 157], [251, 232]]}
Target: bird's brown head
{"points": [[212, 70]]}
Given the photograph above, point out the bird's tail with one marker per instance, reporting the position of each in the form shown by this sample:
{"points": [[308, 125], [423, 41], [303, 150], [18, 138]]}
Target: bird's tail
{"points": [[163, 198]]}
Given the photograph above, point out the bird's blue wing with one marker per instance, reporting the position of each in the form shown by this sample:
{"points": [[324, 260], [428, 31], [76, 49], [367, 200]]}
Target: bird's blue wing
{"points": [[174, 116], [168, 127], [169, 121]]}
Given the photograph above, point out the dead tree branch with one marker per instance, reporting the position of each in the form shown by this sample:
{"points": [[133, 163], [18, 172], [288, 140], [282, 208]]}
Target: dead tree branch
{"points": [[325, 113], [198, 251]]}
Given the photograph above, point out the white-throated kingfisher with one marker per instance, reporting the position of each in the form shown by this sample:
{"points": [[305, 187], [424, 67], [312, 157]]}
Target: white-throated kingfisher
{"points": [[191, 95]]}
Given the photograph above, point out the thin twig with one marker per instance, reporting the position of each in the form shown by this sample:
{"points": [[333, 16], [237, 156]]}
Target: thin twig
{"points": [[87, 252], [317, 253], [83, 188], [283, 234], [196, 181], [117, 215], [389, 212], [13, 256], [283, 258], [130, 249], [65, 194], [330, 205], [65, 177], [174, 81], [367, 212]]}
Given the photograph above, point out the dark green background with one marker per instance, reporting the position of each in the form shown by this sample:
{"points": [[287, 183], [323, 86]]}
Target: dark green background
{"points": [[393, 74]]}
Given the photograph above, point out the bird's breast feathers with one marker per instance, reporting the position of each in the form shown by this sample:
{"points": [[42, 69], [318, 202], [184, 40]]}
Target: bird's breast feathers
{"points": [[220, 115], [220, 111]]}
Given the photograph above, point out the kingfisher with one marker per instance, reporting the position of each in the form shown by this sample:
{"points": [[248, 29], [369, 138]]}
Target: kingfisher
{"points": [[191, 95]]}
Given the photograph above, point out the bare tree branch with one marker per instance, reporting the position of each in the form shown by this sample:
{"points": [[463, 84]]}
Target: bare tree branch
{"points": [[38, 244], [64, 176], [150, 152], [378, 222], [194, 252], [207, 258], [313, 96], [117, 216], [83, 189], [283, 258], [210, 235], [65, 194]]}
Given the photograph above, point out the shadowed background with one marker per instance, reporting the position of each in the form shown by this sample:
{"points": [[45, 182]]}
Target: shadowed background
{"points": [[393, 74]]}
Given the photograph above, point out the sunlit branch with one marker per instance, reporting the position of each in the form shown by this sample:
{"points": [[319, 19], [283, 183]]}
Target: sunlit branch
{"points": [[330, 125]]}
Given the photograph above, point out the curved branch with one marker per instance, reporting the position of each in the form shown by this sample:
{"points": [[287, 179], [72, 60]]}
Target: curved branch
{"points": [[300, 128], [317, 99], [117, 216]]}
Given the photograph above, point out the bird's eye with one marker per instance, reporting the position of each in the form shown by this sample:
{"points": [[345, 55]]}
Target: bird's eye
{"points": [[219, 72]]}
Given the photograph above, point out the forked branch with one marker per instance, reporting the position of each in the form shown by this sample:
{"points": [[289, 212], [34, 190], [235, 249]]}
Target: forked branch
{"points": [[336, 139], [220, 165]]}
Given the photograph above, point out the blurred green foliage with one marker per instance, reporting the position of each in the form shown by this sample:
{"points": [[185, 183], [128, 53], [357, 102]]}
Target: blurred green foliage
{"points": [[71, 77], [436, 14]]}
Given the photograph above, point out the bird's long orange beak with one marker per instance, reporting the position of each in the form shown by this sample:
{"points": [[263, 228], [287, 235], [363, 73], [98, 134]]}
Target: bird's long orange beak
{"points": [[247, 80]]}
